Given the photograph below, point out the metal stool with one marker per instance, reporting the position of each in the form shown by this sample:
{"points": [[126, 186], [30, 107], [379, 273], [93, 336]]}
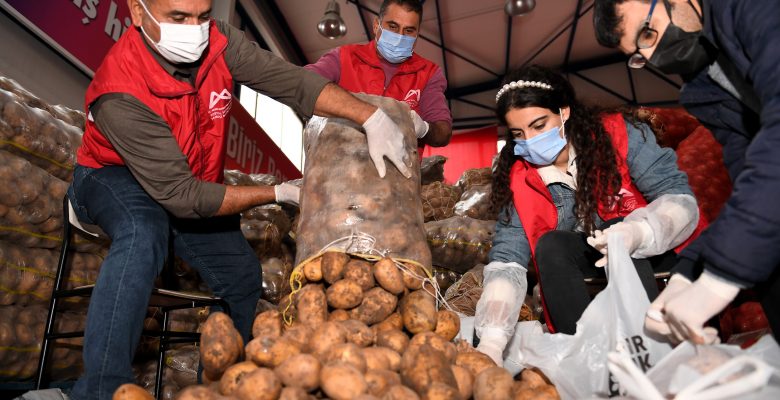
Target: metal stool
{"points": [[166, 300]]}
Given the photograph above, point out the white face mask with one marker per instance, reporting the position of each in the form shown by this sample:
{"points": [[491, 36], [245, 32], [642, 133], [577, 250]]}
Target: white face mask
{"points": [[179, 43]]}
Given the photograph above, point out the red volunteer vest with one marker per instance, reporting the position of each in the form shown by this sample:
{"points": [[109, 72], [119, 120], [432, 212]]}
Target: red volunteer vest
{"points": [[196, 115], [361, 71], [538, 213]]}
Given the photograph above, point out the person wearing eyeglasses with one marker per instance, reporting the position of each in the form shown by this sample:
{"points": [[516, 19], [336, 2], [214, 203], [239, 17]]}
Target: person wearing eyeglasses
{"points": [[388, 66], [727, 53]]}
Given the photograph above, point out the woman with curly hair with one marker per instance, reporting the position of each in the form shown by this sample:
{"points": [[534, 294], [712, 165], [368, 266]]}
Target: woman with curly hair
{"points": [[569, 176]]}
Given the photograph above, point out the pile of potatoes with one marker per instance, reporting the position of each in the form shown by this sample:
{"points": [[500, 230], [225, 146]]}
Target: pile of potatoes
{"points": [[475, 203], [360, 330], [21, 335], [438, 201], [27, 274], [460, 243]]}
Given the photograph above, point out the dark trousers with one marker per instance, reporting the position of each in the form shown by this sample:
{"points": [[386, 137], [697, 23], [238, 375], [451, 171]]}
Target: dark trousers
{"points": [[139, 229], [565, 259]]}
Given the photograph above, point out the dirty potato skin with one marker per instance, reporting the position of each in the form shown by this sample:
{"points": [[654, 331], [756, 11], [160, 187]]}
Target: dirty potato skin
{"points": [[233, 375], [493, 383], [129, 391], [220, 344]]}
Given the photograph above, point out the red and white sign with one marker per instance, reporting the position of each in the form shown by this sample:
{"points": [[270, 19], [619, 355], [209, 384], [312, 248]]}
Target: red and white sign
{"points": [[250, 150], [82, 30]]}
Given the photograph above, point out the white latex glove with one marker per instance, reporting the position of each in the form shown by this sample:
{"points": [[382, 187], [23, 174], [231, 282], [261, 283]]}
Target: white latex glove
{"points": [[687, 312], [654, 318], [287, 193], [503, 292], [420, 127], [634, 234], [385, 139]]}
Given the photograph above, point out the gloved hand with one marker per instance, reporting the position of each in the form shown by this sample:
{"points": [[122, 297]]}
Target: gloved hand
{"points": [[504, 287], [287, 193], [634, 234], [654, 318], [385, 139], [687, 311], [420, 127]]}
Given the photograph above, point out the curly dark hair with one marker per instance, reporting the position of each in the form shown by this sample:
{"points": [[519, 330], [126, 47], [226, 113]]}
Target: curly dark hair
{"points": [[598, 179]]}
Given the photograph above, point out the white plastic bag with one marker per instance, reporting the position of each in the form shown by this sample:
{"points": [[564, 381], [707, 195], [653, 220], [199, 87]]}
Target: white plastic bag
{"points": [[705, 373], [613, 322]]}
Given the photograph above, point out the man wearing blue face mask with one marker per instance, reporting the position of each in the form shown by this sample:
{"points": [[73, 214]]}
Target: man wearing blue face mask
{"points": [[727, 53], [388, 66], [150, 169]]}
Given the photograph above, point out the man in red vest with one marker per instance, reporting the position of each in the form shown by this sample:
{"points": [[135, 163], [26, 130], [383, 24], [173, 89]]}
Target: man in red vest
{"points": [[387, 66], [150, 167]]}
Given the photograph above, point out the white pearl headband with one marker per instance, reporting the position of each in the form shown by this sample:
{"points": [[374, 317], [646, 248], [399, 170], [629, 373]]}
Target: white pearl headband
{"points": [[522, 84]]}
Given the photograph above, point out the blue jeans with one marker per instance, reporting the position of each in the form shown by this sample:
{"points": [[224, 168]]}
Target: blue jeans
{"points": [[139, 229]]}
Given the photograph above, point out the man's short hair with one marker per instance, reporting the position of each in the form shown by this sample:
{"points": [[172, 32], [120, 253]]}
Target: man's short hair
{"points": [[607, 22], [408, 5]]}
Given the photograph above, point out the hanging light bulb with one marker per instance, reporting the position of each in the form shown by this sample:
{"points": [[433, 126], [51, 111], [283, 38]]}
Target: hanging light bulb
{"points": [[331, 25], [516, 8]]}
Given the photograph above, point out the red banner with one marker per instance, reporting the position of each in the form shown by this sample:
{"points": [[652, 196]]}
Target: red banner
{"points": [[82, 30], [250, 150]]}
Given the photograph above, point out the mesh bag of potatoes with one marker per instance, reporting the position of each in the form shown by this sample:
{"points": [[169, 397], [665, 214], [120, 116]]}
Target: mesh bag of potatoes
{"points": [[27, 274], [460, 243], [38, 136], [21, 335], [439, 200], [345, 205], [64, 114], [474, 176], [475, 203], [360, 330]]}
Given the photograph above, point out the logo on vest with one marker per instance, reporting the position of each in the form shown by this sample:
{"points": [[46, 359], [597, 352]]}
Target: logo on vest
{"points": [[626, 200], [412, 98], [214, 99]]}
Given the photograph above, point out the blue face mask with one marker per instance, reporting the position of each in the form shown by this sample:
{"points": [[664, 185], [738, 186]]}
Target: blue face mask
{"points": [[541, 149], [393, 47]]}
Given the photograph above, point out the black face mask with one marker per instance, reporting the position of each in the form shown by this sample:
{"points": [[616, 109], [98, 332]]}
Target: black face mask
{"points": [[681, 52]]}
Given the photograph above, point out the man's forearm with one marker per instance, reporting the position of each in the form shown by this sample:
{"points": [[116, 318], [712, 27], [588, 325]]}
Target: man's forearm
{"points": [[439, 134], [241, 198], [334, 101]]}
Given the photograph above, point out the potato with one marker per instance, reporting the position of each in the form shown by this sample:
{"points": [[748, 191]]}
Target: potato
{"points": [[312, 270], [344, 294], [533, 378], [447, 324], [268, 323], [493, 383], [300, 335], [327, 336], [474, 361], [413, 276], [233, 375], [294, 393], [377, 305], [341, 381], [446, 348], [366, 397], [400, 392], [348, 353], [333, 263], [465, 381], [419, 369], [360, 271], [270, 351], [129, 391], [301, 370], [359, 333], [388, 276], [418, 310], [378, 358], [393, 339], [380, 380], [220, 344], [394, 321], [311, 305], [338, 315], [197, 392], [547, 393], [260, 384], [440, 391]]}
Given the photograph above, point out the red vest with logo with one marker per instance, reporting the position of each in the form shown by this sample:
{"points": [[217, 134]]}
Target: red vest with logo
{"points": [[361, 71], [195, 114], [538, 214]]}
